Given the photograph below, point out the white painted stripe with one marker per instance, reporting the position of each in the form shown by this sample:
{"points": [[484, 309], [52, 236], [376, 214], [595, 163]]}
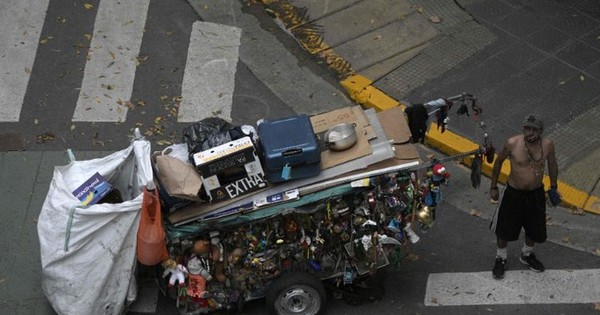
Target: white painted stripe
{"points": [[209, 78], [21, 23], [110, 69], [517, 287]]}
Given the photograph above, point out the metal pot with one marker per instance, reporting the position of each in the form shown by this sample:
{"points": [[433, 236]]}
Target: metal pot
{"points": [[341, 136]]}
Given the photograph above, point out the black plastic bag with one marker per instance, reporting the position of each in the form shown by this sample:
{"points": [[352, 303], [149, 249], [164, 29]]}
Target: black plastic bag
{"points": [[204, 134]]}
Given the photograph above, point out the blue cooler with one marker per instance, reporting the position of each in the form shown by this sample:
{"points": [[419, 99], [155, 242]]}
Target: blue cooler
{"points": [[289, 148]]}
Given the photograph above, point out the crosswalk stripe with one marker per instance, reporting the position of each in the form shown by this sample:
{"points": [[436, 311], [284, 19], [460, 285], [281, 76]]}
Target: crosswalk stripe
{"points": [[110, 70], [21, 23], [209, 77], [517, 287]]}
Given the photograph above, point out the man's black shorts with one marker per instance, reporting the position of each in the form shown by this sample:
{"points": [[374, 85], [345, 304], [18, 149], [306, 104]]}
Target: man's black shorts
{"points": [[521, 209]]}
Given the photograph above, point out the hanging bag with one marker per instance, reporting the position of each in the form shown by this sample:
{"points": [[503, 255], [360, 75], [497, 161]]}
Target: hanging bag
{"points": [[151, 243]]}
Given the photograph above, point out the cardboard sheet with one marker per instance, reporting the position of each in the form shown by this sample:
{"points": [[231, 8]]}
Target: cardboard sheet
{"points": [[322, 122], [396, 128]]}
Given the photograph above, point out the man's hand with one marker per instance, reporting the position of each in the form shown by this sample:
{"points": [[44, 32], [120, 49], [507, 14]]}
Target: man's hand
{"points": [[554, 196], [494, 194]]}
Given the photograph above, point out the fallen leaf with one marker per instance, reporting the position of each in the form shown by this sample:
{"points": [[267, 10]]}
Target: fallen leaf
{"points": [[107, 86], [412, 257], [561, 82], [475, 213], [434, 301], [420, 9], [119, 101], [435, 19], [129, 105], [36, 121], [157, 120], [379, 36], [566, 239], [112, 55], [97, 99], [72, 127], [581, 78], [598, 251], [163, 142], [88, 6], [44, 41], [577, 211], [87, 36], [45, 137], [27, 70]]}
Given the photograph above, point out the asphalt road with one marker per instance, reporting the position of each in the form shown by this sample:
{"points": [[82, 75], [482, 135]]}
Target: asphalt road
{"points": [[46, 118]]}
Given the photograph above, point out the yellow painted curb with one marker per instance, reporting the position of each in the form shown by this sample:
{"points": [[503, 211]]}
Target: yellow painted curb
{"points": [[361, 91]]}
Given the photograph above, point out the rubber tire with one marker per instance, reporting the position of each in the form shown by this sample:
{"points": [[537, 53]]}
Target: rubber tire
{"points": [[297, 289]]}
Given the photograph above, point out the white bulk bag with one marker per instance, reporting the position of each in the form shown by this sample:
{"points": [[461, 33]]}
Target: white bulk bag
{"points": [[88, 253]]}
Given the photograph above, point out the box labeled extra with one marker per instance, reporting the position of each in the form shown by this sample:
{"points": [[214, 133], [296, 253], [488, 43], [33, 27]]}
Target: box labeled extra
{"points": [[290, 148], [230, 170]]}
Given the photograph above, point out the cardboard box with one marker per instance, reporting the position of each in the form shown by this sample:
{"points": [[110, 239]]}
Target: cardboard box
{"points": [[92, 190], [230, 170]]}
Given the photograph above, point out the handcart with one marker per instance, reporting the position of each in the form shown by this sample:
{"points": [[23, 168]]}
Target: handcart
{"points": [[290, 241]]}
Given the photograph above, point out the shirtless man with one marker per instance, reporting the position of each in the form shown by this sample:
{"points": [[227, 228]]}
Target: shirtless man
{"points": [[523, 202]]}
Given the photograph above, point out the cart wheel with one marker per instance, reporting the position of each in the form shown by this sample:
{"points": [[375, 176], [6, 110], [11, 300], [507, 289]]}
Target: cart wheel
{"points": [[296, 293]]}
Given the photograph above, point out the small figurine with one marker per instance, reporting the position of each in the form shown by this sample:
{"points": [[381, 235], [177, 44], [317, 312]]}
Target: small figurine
{"points": [[203, 263]]}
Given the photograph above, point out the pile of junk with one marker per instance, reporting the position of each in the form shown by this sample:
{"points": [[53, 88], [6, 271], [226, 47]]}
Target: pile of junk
{"points": [[287, 211]]}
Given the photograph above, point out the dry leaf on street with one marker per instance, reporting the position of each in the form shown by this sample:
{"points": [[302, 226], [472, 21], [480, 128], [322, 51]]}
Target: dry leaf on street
{"points": [[577, 211], [598, 251], [88, 6], [435, 19], [48, 136], [412, 257], [566, 239], [475, 213]]}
